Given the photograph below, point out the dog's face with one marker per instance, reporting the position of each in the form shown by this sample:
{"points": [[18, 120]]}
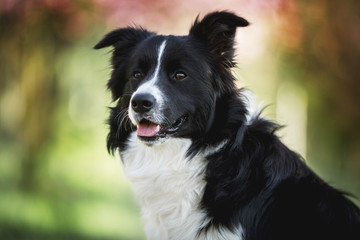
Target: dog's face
{"points": [[167, 85], [167, 81]]}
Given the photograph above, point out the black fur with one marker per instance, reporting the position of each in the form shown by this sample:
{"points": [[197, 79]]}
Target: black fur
{"points": [[255, 179]]}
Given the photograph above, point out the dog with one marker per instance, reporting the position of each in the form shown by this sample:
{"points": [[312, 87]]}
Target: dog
{"points": [[202, 161]]}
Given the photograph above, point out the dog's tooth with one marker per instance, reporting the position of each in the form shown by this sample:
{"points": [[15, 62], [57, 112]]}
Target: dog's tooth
{"points": [[157, 128]]}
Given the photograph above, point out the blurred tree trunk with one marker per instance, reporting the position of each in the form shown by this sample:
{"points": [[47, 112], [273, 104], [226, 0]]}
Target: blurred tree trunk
{"points": [[29, 48], [38, 86]]}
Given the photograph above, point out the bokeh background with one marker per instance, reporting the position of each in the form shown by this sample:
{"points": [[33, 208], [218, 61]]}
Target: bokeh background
{"points": [[57, 181]]}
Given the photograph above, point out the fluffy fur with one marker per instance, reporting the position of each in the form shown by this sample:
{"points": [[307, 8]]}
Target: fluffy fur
{"points": [[203, 164]]}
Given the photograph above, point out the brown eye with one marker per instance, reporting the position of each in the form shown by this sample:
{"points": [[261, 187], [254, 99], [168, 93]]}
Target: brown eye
{"points": [[137, 75], [180, 75]]}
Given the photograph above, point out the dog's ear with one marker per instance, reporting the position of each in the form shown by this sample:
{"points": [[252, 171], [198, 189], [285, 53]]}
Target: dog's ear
{"points": [[217, 30], [123, 40], [123, 37]]}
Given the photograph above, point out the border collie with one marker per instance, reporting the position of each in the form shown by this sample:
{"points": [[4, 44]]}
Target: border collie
{"points": [[202, 162]]}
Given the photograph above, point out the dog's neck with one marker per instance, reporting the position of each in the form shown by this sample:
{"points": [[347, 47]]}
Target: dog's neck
{"points": [[169, 188]]}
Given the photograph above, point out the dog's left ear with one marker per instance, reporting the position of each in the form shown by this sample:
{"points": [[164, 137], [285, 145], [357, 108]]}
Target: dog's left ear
{"points": [[217, 30]]}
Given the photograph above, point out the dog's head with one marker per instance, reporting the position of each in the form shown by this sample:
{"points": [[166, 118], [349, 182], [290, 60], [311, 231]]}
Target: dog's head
{"points": [[166, 86]]}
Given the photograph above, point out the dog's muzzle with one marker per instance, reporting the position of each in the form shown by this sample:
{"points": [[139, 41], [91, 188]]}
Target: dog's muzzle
{"points": [[151, 125]]}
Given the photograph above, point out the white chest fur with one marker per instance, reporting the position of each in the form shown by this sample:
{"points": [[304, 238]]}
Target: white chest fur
{"points": [[169, 188]]}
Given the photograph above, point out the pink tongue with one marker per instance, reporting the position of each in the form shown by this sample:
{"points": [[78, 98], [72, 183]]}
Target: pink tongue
{"points": [[147, 129]]}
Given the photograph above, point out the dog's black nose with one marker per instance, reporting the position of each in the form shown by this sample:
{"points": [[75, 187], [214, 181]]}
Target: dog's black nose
{"points": [[142, 102]]}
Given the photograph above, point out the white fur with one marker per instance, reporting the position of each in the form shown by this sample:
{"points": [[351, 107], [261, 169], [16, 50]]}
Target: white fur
{"points": [[253, 107], [169, 188]]}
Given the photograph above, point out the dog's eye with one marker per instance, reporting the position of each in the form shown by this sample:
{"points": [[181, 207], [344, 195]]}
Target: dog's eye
{"points": [[137, 75], [180, 75]]}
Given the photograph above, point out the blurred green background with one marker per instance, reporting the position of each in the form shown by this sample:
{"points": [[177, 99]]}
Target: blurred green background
{"points": [[57, 181]]}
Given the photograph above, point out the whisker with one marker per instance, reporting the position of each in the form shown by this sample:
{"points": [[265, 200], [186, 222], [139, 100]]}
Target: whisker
{"points": [[123, 121]]}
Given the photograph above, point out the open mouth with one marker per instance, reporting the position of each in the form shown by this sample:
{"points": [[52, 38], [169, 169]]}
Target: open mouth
{"points": [[150, 131]]}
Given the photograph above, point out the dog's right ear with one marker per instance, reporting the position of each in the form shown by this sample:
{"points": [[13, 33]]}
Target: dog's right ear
{"points": [[123, 40], [123, 37]]}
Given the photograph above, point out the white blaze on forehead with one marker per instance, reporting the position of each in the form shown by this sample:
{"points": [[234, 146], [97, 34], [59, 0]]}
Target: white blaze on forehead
{"points": [[160, 54], [150, 86]]}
